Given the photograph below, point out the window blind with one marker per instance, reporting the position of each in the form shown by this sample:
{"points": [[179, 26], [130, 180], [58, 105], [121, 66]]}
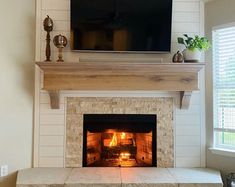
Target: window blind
{"points": [[224, 87]]}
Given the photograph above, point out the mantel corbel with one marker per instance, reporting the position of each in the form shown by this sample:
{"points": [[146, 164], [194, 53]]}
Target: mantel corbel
{"points": [[54, 99], [185, 97]]}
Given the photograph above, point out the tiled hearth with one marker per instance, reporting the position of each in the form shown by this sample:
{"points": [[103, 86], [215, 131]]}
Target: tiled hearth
{"points": [[119, 177], [162, 108]]}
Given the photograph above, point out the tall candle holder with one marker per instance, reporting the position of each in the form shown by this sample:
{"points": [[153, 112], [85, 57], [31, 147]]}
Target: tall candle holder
{"points": [[48, 27], [60, 42]]}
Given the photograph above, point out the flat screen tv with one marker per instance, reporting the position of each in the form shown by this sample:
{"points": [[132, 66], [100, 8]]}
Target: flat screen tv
{"points": [[121, 25]]}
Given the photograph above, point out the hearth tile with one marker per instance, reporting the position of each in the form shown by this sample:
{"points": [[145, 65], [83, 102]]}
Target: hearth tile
{"points": [[200, 185], [147, 177], [94, 177], [42, 177], [197, 177]]}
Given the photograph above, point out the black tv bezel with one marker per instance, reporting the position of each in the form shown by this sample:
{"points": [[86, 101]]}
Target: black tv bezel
{"points": [[123, 52]]}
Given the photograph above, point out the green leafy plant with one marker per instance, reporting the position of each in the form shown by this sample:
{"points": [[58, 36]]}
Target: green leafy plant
{"points": [[200, 43]]}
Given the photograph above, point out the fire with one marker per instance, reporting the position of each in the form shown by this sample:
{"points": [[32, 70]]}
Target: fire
{"points": [[114, 140], [125, 156], [123, 135]]}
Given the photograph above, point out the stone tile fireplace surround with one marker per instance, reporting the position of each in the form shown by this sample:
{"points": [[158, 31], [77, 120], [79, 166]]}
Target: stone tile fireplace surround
{"points": [[77, 107]]}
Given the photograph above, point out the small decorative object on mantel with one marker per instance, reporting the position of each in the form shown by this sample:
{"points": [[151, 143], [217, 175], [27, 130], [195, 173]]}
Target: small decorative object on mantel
{"points": [[60, 42], [178, 57], [194, 47], [48, 27]]}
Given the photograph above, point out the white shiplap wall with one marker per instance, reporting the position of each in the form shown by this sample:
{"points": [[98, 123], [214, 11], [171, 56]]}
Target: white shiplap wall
{"points": [[49, 131]]}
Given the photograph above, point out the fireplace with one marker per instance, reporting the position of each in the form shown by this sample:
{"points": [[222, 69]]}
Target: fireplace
{"points": [[119, 140]]}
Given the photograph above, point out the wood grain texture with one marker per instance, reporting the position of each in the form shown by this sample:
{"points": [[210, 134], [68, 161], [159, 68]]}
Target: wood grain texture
{"points": [[120, 76], [123, 76]]}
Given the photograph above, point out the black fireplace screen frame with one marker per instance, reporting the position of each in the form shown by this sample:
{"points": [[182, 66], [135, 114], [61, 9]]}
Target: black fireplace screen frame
{"points": [[124, 122]]}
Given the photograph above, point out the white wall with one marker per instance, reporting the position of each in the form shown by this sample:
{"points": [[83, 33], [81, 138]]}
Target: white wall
{"points": [[17, 36], [50, 124], [217, 12]]}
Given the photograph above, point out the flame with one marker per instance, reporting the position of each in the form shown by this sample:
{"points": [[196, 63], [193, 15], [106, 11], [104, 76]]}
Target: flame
{"points": [[125, 156], [114, 141], [123, 135]]}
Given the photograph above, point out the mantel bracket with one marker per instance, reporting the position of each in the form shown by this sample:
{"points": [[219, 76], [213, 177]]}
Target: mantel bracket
{"points": [[54, 99], [185, 97]]}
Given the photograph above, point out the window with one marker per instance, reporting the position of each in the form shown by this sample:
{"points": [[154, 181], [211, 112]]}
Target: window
{"points": [[224, 87]]}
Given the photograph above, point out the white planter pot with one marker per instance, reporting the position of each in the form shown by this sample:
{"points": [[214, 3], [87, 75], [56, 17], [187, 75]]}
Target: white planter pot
{"points": [[192, 56]]}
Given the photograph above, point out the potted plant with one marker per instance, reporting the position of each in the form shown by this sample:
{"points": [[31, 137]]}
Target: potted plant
{"points": [[194, 47]]}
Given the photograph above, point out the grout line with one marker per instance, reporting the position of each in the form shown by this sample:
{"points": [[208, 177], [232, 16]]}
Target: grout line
{"points": [[173, 176], [121, 177], [69, 174]]}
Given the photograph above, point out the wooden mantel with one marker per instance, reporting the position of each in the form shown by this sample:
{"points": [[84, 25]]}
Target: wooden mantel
{"points": [[125, 76]]}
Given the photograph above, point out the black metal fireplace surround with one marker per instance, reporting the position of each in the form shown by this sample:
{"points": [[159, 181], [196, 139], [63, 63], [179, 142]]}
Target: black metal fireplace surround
{"points": [[119, 140]]}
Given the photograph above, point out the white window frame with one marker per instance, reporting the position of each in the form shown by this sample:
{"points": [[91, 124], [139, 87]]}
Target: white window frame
{"points": [[222, 150]]}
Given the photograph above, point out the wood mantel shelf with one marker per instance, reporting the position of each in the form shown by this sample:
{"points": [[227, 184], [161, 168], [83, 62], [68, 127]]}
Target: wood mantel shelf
{"points": [[125, 76]]}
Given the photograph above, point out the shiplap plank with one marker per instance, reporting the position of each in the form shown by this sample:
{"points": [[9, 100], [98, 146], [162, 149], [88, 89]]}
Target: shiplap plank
{"points": [[186, 6], [195, 99], [52, 130], [193, 109], [52, 119], [187, 130], [188, 141], [186, 0], [46, 109], [51, 162], [57, 151], [57, 15], [185, 17], [51, 140], [188, 151], [182, 162], [190, 119], [186, 27], [55, 4]]}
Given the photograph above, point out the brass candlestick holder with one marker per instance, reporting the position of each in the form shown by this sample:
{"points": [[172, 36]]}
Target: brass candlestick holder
{"points": [[60, 42], [48, 27]]}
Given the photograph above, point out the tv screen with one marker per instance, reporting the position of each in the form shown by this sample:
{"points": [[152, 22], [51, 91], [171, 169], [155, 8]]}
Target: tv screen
{"points": [[121, 25]]}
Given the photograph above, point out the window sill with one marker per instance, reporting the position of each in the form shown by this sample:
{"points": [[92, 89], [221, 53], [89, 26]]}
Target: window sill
{"points": [[223, 152]]}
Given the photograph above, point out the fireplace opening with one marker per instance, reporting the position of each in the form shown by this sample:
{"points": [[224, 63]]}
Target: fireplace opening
{"points": [[119, 140]]}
